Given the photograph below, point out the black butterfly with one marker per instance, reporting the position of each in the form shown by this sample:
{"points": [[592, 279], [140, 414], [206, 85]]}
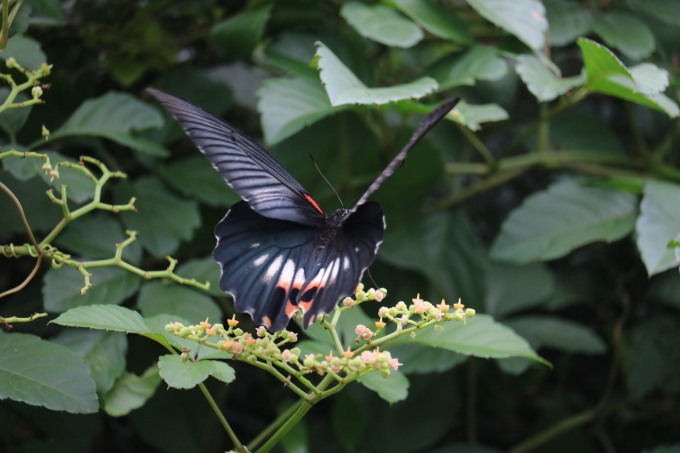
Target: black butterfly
{"points": [[278, 250]]}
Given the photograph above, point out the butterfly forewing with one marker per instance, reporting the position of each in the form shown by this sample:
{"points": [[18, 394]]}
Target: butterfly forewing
{"points": [[248, 169], [278, 251], [273, 268]]}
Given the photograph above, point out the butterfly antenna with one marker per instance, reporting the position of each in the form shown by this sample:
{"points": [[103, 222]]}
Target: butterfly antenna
{"points": [[375, 285], [425, 125], [327, 181]]}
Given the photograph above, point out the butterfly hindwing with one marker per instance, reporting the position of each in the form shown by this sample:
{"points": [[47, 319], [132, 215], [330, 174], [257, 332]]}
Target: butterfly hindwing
{"points": [[248, 169], [273, 267]]}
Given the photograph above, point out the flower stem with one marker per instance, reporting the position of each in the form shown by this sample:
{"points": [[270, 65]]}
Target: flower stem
{"points": [[223, 421]]}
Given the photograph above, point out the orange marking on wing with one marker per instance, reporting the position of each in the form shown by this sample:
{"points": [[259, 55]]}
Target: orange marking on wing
{"points": [[291, 309], [267, 321], [313, 202], [305, 305]]}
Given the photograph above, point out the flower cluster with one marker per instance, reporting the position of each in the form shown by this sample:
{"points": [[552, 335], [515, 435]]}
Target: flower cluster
{"points": [[268, 348], [277, 352], [419, 313]]}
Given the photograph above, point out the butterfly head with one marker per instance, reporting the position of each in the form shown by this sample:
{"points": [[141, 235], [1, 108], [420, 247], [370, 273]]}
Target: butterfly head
{"points": [[338, 217]]}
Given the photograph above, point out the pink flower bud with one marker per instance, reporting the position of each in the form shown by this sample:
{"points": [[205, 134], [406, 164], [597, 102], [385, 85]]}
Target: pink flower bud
{"points": [[364, 332], [348, 302]]}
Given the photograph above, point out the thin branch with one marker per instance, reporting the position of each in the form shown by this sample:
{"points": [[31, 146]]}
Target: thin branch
{"points": [[29, 231]]}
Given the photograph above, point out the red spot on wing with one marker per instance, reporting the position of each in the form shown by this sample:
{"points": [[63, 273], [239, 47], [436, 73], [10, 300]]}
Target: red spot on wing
{"points": [[313, 202], [267, 321]]}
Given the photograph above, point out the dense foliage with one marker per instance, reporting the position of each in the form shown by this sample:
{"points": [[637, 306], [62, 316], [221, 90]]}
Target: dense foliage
{"points": [[549, 201]]}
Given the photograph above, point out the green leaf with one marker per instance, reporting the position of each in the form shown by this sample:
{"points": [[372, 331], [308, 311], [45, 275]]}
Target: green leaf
{"points": [[665, 10], [223, 372], [649, 79], [203, 269], [653, 360], [131, 392], [26, 52], [96, 237], [674, 448], [568, 20], [606, 74], [658, 223], [157, 324], [237, 37], [61, 287], [541, 81], [51, 9], [476, 63], [41, 373], [523, 18], [568, 215], [113, 318], [158, 297], [22, 168], [514, 365], [382, 24], [343, 87], [209, 89], [435, 18], [443, 246], [107, 317], [198, 180], [21, 19], [393, 388], [42, 214], [513, 288], [666, 288], [349, 421], [79, 187], [162, 229], [12, 120], [480, 336], [627, 33], [181, 374], [288, 105], [104, 352], [557, 333], [471, 116], [582, 134], [418, 359], [115, 116]]}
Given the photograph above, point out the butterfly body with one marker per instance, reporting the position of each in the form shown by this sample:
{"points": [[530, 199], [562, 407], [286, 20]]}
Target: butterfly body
{"points": [[278, 251]]}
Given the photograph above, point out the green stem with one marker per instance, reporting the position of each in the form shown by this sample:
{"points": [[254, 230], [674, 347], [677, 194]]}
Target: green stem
{"points": [[512, 167], [29, 231], [543, 132], [289, 424], [225, 424], [564, 103], [478, 145], [553, 431], [276, 423], [4, 34], [303, 407], [472, 378], [14, 319], [334, 335]]}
